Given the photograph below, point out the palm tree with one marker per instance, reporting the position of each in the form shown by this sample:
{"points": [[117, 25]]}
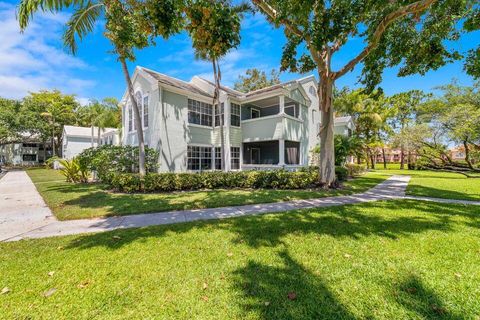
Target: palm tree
{"points": [[215, 30], [81, 23]]}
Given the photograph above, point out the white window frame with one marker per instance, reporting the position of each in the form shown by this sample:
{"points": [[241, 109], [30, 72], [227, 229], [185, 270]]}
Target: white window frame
{"points": [[145, 98], [259, 154], [295, 115], [221, 115], [200, 113], [239, 114], [208, 147], [232, 158], [130, 117], [251, 113]]}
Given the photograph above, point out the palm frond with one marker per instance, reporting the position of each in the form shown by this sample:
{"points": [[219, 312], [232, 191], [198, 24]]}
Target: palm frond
{"points": [[27, 8], [81, 23]]}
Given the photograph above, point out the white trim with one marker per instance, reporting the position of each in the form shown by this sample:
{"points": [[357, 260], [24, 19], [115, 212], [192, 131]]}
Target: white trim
{"points": [[251, 116], [259, 154], [198, 126]]}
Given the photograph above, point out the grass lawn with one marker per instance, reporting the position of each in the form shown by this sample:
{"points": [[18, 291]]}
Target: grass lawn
{"points": [[438, 184], [385, 260], [79, 201]]}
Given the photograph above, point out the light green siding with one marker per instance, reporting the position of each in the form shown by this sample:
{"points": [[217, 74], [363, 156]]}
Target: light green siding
{"points": [[198, 135], [261, 129]]}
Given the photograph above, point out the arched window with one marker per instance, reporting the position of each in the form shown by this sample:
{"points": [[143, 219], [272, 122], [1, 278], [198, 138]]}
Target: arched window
{"points": [[138, 97], [312, 91]]}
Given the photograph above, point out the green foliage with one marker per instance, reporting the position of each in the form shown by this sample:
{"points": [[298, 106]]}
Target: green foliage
{"points": [[344, 147], [12, 120], [101, 114], [355, 169], [109, 160], [255, 79], [50, 161], [214, 26], [341, 173], [165, 182], [414, 35], [74, 171]]}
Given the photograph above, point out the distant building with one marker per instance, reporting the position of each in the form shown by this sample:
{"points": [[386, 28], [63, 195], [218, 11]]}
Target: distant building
{"points": [[28, 152], [76, 139], [457, 153]]}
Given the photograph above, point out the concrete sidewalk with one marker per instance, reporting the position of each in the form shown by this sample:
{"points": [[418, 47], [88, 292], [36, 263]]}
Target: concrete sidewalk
{"points": [[392, 188], [22, 209]]}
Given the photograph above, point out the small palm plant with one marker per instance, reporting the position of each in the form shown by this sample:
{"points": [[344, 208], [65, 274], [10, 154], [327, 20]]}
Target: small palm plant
{"points": [[74, 171]]}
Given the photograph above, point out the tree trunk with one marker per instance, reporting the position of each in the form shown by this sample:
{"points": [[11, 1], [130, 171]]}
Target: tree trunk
{"points": [[327, 146], [216, 101], [467, 155], [53, 140], [373, 156], [384, 159], [93, 136], [98, 136], [138, 121], [402, 157]]}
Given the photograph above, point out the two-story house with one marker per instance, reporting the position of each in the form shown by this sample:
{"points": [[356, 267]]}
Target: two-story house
{"points": [[273, 127]]}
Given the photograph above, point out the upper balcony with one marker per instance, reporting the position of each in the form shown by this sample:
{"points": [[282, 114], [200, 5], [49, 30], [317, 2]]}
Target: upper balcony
{"points": [[273, 118]]}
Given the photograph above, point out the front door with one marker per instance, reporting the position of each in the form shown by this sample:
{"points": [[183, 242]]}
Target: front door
{"points": [[255, 156]]}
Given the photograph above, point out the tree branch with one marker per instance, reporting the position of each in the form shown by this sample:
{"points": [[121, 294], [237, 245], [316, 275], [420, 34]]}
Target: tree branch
{"points": [[272, 13], [382, 26]]}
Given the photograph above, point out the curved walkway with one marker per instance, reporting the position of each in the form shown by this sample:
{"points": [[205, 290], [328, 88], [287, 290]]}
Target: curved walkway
{"points": [[23, 214]]}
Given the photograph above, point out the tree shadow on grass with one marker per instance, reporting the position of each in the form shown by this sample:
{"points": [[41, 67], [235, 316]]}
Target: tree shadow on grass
{"points": [[421, 301], [351, 221], [289, 291], [416, 190]]}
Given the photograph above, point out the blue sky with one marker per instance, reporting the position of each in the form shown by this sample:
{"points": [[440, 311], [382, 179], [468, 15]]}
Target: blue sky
{"points": [[36, 60]]}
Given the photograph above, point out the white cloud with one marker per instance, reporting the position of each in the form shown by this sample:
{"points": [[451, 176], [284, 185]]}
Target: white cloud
{"points": [[34, 60]]}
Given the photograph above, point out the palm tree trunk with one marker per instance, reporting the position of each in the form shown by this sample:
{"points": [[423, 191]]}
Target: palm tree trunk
{"points": [[216, 97], [138, 121], [93, 135], [98, 136]]}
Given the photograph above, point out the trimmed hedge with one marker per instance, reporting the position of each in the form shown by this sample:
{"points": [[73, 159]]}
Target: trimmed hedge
{"points": [[165, 182], [355, 169]]}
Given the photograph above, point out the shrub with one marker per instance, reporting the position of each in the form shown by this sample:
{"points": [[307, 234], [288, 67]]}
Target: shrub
{"points": [[50, 161], [74, 171], [341, 173], [355, 169], [108, 160], [166, 182]]}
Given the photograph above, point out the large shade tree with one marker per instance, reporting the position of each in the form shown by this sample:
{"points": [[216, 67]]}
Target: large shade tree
{"points": [[255, 79], [129, 24], [408, 33], [405, 106]]}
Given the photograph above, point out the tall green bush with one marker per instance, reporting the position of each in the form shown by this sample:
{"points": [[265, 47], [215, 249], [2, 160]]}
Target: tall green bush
{"points": [[108, 160]]}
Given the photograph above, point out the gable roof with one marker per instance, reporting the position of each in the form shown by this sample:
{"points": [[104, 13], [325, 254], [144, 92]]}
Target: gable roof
{"points": [[74, 131], [177, 83]]}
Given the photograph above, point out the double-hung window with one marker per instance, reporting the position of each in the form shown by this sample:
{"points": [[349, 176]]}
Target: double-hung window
{"points": [[145, 112], [235, 115], [219, 111], [199, 158], [235, 158], [199, 113], [218, 158]]}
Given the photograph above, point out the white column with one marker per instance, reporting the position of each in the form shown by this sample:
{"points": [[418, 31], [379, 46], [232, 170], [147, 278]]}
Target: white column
{"points": [[227, 118], [282, 104], [281, 152]]}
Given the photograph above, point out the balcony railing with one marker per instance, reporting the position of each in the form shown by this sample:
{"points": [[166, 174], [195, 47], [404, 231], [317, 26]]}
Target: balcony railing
{"points": [[279, 126]]}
